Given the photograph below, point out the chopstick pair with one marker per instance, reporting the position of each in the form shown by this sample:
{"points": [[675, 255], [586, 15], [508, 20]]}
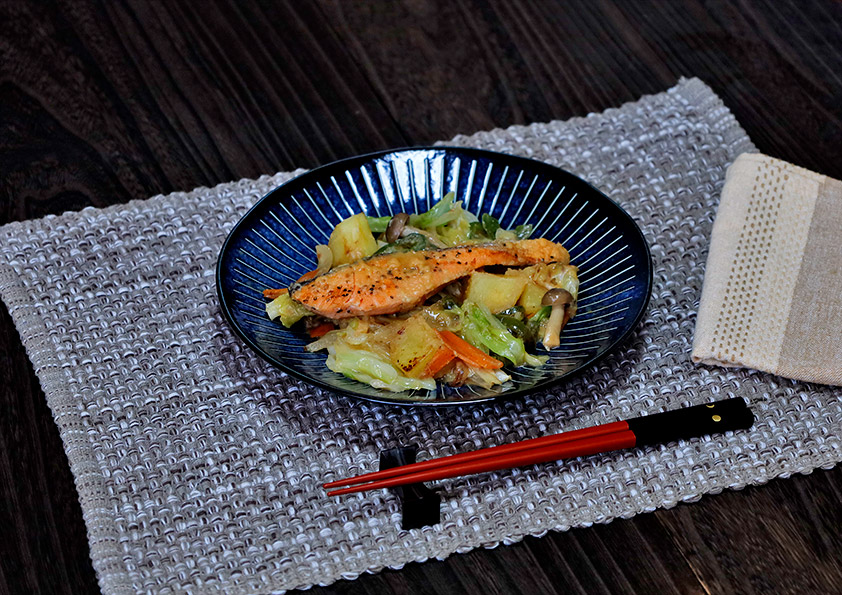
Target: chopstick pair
{"points": [[679, 424]]}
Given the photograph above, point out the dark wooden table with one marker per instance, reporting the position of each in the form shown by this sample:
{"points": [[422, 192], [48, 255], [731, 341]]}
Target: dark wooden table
{"points": [[103, 102]]}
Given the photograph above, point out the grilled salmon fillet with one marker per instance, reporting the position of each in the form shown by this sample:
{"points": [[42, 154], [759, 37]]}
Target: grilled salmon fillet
{"points": [[398, 282]]}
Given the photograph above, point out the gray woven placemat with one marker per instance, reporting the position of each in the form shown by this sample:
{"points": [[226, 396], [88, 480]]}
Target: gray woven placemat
{"points": [[198, 465]]}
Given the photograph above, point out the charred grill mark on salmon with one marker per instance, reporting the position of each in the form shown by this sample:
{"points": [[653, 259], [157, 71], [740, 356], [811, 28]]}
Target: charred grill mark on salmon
{"points": [[398, 282]]}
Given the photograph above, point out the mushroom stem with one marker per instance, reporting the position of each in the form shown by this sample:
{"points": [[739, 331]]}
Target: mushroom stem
{"points": [[560, 299], [552, 331]]}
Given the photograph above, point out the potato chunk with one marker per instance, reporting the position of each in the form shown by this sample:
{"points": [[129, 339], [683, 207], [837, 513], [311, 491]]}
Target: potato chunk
{"points": [[415, 345], [531, 298], [352, 240], [496, 292]]}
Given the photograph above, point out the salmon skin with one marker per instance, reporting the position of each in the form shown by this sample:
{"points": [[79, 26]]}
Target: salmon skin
{"points": [[399, 282]]}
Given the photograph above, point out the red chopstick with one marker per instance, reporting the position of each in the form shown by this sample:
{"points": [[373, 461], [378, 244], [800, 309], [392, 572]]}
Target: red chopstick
{"points": [[730, 414], [544, 454], [475, 455]]}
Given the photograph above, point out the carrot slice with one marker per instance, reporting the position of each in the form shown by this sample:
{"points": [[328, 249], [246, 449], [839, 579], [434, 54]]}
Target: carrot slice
{"points": [[468, 353], [441, 358], [274, 293], [308, 275], [321, 330]]}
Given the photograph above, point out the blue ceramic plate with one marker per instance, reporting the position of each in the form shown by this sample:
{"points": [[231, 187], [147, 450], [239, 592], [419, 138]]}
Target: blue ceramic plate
{"points": [[273, 245]]}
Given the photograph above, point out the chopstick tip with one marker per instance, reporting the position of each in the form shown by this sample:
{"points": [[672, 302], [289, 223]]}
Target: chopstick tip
{"points": [[341, 492]]}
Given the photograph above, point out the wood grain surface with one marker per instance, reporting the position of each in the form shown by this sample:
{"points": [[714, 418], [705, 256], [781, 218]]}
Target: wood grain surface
{"points": [[103, 102]]}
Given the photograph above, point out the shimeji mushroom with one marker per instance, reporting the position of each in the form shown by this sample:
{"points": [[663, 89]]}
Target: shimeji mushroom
{"points": [[395, 227], [560, 300]]}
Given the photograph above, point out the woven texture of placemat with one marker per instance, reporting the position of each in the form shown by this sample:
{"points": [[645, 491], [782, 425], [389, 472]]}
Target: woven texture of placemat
{"points": [[198, 465]]}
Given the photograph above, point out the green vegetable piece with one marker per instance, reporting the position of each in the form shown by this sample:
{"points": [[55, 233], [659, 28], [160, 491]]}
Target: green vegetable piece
{"points": [[471, 333], [414, 241], [442, 212], [477, 231], [287, 309], [482, 326], [515, 312], [534, 324], [517, 328], [542, 314], [378, 224], [567, 280], [490, 225], [365, 366], [523, 231], [448, 303], [411, 243]]}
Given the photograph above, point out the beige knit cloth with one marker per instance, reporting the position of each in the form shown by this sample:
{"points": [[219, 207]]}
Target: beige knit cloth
{"points": [[772, 294]]}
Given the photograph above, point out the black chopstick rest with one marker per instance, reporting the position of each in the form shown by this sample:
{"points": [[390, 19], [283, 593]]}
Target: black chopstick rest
{"points": [[420, 506], [691, 422]]}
